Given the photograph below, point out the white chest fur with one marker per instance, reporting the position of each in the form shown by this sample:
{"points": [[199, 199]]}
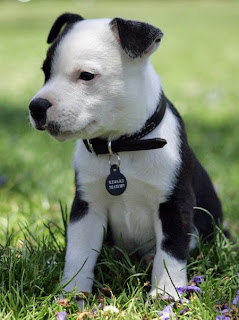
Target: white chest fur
{"points": [[150, 180]]}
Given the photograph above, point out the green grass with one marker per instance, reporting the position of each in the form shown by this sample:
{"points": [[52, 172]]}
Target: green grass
{"points": [[198, 63], [31, 267]]}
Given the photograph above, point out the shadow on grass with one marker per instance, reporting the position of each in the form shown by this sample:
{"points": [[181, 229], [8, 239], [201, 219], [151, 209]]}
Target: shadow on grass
{"points": [[25, 151], [13, 119], [218, 139]]}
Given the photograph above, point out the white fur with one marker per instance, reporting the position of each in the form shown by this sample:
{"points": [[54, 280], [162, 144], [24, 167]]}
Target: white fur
{"points": [[82, 251], [161, 282], [119, 100], [98, 107]]}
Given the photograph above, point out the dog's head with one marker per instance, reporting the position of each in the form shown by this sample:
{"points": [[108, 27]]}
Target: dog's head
{"points": [[94, 73]]}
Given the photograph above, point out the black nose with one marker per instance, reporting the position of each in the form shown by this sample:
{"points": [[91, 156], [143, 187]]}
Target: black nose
{"points": [[38, 108]]}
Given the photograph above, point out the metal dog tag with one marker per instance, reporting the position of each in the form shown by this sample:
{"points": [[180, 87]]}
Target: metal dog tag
{"points": [[116, 182]]}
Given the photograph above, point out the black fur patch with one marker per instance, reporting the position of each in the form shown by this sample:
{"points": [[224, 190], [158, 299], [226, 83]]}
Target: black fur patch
{"points": [[206, 198], [177, 213], [48, 61], [136, 37], [63, 19], [193, 188], [67, 18], [79, 208]]}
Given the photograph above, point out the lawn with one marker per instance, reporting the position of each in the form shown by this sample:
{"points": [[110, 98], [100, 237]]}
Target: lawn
{"points": [[198, 64]]}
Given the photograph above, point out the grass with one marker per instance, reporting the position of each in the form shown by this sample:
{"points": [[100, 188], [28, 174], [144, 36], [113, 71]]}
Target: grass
{"points": [[198, 63], [30, 270]]}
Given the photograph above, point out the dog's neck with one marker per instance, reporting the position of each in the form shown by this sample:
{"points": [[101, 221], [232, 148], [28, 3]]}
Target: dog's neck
{"points": [[153, 91], [141, 102]]}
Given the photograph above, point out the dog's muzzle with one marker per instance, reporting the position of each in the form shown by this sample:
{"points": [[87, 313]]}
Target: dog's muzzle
{"points": [[38, 108]]}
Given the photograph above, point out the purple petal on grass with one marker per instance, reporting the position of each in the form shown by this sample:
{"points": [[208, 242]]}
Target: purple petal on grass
{"points": [[220, 317], [100, 306], [62, 315], [236, 299], [183, 311], [199, 278], [189, 289], [167, 312], [181, 290], [94, 311], [222, 308], [225, 310], [184, 300]]}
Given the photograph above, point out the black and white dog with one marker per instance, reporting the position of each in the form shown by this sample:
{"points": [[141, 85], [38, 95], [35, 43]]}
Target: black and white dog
{"points": [[101, 89]]}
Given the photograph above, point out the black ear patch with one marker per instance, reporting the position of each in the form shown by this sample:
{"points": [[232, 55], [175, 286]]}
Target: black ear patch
{"points": [[65, 18], [136, 37], [56, 36]]}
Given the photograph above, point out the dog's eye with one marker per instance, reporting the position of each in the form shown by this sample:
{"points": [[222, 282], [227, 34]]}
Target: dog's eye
{"points": [[87, 76]]}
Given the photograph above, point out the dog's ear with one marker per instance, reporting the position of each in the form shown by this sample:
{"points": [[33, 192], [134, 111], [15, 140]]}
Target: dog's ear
{"points": [[136, 38], [65, 18]]}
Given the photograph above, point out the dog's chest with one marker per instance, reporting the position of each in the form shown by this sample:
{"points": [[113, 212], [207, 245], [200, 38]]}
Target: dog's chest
{"points": [[131, 216], [150, 180]]}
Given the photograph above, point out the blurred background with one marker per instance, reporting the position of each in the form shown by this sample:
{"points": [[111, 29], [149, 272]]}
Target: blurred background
{"points": [[198, 64]]}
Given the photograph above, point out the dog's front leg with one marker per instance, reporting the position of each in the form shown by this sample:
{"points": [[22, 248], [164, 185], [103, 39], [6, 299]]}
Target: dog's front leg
{"points": [[172, 230], [84, 242]]}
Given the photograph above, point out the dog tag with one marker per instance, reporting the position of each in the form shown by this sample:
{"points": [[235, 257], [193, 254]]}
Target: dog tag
{"points": [[116, 182]]}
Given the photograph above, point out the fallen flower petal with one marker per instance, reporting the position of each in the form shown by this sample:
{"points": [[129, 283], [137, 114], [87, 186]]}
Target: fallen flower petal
{"points": [[225, 310], [181, 290], [94, 311], [100, 306], [221, 317], [167, 312], [111, 309], [199, 279], [189, 289], [183, 311], [236, 299], [62, 315], [181, 301], [164, 317]]}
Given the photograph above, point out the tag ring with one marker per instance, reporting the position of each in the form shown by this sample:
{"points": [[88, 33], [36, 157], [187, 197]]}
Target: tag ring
{"points": [[111, 154], [118, 159]]}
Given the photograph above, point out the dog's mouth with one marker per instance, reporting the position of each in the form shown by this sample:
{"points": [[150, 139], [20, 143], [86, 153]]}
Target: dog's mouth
{"points": [[54, 128], [40, 128]]}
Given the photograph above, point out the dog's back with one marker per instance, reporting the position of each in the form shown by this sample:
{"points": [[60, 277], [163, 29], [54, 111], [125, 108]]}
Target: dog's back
{"points": [[208, 209]]}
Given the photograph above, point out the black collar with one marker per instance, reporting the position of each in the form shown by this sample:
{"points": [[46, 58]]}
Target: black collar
{"points": [[132, 142]]}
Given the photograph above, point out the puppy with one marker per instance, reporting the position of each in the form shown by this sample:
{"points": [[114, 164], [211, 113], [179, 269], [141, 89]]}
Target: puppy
{"points": [[101, 89]]}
